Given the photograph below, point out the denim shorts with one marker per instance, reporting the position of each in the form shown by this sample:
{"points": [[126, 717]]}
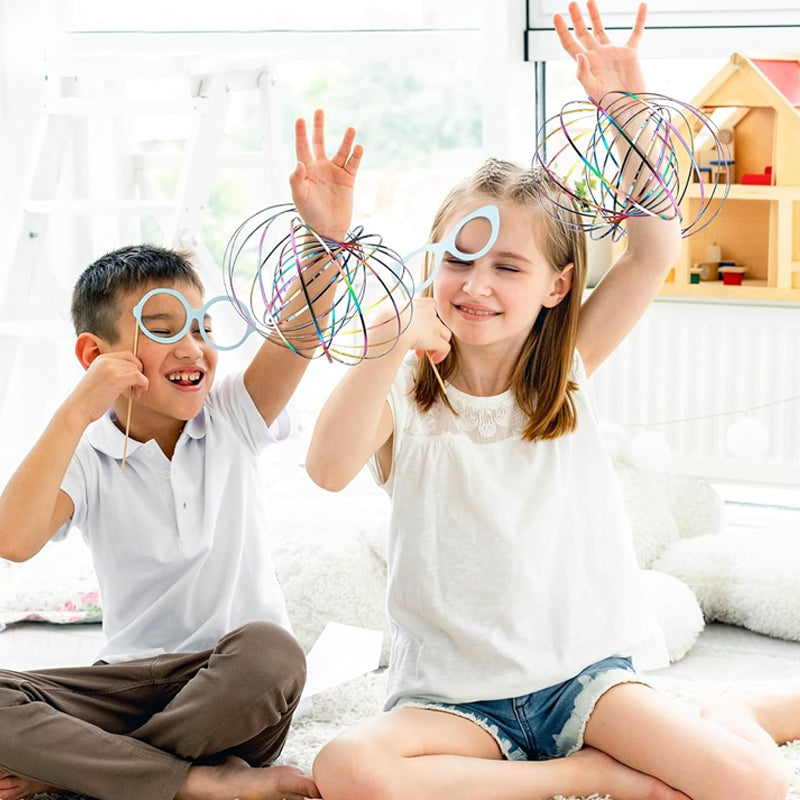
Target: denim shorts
{"points": [[546, 724]]}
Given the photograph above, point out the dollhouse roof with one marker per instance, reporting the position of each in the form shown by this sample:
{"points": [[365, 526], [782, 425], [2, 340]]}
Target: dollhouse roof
{"points": [[764, 81], [783, 74]]}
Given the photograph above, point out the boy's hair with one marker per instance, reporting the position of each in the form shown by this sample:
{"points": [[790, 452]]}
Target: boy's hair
{"points": [[541, 380], [96, 296]]}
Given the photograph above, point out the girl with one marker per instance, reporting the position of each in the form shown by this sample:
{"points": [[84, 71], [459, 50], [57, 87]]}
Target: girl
{"points": [[513, 586]]}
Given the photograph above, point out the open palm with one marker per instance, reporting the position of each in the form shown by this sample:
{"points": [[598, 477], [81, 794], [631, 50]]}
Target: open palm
{"points": [[322, 187], [602, 66]]}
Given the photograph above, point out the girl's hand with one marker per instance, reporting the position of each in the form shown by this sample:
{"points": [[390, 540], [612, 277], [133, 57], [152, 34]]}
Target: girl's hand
{"points": [[427, 333], [423, 333], [322, 188], [602, 66]]}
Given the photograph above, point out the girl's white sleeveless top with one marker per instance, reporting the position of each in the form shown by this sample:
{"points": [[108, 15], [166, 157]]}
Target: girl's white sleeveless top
{"points": [[511, 565]]}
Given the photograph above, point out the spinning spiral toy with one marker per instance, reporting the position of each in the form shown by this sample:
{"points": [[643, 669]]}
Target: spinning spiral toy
{"points": [[631, 156], [304, 290]]}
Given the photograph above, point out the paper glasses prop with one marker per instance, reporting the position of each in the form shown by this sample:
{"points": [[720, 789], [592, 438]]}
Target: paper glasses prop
{"points": [[165, 316], [632, 156], [448, 245]]}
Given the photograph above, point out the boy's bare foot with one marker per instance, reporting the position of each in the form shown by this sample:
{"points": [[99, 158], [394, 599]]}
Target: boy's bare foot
{"points": [[606, 775], [14, 788], [236, 778]]}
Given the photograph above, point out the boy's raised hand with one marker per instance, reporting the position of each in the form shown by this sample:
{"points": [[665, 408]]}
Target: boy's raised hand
{"points": [[602, 66], [322, 187]]}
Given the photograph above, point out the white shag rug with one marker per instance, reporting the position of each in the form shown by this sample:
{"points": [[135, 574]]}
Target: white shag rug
{"points": [[725, 658]]}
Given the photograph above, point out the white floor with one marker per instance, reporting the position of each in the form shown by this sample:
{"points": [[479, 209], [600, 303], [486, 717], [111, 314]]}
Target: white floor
{"points": [[728, 658], [39, 645]]}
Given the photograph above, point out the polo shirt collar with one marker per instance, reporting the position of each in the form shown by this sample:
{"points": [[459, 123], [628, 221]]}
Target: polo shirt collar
{"points": [[104, 435]]}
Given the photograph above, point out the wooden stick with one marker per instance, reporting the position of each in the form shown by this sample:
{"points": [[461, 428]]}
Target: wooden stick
{"points": [[436, 372], [130, 404]]}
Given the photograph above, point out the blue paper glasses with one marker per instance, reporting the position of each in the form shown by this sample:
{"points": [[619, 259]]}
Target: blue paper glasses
{"points": [[165, 316], [448, 245]]}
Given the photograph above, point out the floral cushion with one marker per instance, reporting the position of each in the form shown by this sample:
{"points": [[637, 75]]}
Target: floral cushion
{"points": [[57, 585]]}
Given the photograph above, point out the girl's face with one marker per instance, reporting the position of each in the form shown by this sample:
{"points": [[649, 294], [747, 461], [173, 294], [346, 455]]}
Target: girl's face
{"points": [[495, 299]]}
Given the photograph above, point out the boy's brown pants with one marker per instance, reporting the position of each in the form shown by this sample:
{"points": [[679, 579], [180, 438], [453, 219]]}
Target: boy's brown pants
{"points": [[131, 731]]}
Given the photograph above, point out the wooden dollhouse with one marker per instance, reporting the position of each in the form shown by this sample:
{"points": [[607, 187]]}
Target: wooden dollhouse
{"points": [[755, 103]]}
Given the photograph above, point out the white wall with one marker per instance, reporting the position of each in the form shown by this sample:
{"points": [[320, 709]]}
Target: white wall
{"points": [[22, 83]]}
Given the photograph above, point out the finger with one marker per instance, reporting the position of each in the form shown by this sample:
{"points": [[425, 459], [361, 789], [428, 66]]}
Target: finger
{"points": [[301, 147], [341, 155], [638, 26], [439, 354], [318, 134], [297, 178], [565, 36], [584, 71], [139, 389], [598, 29], [578, 25], [354, 162]]}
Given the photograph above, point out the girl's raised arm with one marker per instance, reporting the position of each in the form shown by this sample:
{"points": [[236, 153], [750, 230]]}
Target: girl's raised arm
{"points": [[653, 244]]}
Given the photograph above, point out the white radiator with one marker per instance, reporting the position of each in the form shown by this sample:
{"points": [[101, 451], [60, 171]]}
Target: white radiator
{"points": [[690, 370]]}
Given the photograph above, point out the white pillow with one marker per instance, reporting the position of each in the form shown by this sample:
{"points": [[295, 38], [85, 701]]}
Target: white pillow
{"points": [[57, 585], [652, 525], [750, 579], [676, 609], [332, 576], [696, 506]]}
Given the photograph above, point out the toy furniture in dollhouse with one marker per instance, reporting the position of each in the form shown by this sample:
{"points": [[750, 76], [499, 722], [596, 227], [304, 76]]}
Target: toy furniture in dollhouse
{"points": [[755, 103]]}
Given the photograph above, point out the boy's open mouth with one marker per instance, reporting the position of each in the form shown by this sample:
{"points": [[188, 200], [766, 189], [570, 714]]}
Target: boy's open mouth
{"points": [[188, 378]]}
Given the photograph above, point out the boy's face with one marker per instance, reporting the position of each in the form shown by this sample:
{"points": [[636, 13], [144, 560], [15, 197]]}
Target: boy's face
{"points": [[180, 374]]}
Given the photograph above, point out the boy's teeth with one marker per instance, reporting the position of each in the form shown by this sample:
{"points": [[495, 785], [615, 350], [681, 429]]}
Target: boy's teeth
{"points": [[184, 376]]}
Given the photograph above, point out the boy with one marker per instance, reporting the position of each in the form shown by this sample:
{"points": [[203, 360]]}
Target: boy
{"points": [[196, 686]]}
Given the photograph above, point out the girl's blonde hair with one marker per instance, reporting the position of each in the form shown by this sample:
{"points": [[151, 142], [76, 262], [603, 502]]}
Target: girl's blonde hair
{"points": [[541, 380]]}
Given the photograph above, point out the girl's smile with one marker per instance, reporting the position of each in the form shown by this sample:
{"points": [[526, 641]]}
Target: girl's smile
{"points": [[475, 313], [496, 298]]}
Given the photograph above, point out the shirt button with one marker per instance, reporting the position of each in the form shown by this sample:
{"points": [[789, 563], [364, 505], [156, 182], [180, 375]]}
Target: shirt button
{"points": [[166, 474], [148, 451]]}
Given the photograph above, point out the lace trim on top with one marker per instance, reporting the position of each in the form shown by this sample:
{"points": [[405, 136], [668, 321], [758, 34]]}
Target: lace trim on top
{"points": [[481, 419]]}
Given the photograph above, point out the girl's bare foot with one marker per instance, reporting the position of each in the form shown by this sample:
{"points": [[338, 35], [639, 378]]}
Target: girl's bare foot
{"points": [[606, 775], [775, 717], [236, 778]]}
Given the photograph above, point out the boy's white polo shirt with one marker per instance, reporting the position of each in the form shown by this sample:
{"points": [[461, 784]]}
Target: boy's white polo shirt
{"points": [[181, 547]]}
